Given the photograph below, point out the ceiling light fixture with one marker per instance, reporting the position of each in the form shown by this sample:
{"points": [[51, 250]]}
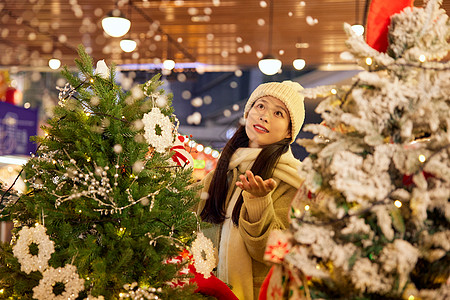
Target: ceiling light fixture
{"points": [[357, 28], [54, 63], [299, 63], [127, 44], [168, 63], [269, 65], [115, 24]]}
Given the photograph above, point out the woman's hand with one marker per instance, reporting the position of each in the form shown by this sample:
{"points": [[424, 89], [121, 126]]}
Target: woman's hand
{"points": [[255, 185]]}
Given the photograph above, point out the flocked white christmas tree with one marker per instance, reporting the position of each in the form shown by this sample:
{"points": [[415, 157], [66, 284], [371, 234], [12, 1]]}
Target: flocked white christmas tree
{"points": [[371, 220]]}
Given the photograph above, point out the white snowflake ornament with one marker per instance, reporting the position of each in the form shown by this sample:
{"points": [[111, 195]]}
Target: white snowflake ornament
{"points": [[68, 275], [203, 264], [163, 140], [21, 250]]}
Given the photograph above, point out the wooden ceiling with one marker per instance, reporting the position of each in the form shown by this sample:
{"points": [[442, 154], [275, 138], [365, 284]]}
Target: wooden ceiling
{"points": [[215, 32]]}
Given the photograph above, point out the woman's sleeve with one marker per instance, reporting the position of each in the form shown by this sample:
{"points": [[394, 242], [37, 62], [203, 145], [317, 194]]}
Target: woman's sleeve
{"points": [[259, 216]]}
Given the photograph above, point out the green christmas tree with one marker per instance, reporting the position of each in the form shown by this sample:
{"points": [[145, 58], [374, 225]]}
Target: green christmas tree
{"points": [[106, 206], [372, 218]]}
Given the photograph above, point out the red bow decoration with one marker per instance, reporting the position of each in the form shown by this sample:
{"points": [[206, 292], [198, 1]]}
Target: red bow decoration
{"points": [[378, 21], [181, 157], [211, 286], [177, 157]]}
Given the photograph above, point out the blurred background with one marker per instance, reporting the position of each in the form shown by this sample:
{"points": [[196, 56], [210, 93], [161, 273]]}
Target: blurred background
{"points": [[210, 54]]}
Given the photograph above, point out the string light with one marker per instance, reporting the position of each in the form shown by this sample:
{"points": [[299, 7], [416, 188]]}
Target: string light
{"points": [[307, 207], [368, 61], [422, 158], [397, 203], [333, 91], [422, 58], [411, 297]]}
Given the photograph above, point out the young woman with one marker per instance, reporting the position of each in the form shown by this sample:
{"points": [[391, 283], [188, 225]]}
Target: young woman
{"points": [[250, 191]]}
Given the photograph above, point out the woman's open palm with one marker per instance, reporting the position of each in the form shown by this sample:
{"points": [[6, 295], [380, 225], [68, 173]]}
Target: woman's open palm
{"points": [[255, 185]]}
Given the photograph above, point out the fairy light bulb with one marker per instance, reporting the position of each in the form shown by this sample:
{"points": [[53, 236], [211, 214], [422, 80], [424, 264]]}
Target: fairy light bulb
{"points": [[208, 150], [411, 297], [333, 91], [397, 203], [368, 61], [422, 158], [307, 207], [422, 58]]}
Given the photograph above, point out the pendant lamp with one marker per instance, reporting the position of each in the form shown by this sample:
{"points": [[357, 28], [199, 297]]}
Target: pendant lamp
{"points": [[270, 65]]}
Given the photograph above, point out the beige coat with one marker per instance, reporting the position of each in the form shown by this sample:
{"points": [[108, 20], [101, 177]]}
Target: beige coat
{"points": [[258, 216]]}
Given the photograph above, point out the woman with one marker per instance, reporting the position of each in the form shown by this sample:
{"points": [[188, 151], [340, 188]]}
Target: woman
{"points": [[249, 192]]}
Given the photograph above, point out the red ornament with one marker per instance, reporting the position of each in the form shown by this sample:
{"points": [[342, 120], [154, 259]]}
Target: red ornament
{"points": [[211, 286], [181, 157], [407, 180], [13, 96], [378, 21]]}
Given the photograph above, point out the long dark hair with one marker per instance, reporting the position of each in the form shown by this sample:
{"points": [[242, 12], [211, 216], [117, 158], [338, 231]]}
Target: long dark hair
{"points": [[214, 210]]}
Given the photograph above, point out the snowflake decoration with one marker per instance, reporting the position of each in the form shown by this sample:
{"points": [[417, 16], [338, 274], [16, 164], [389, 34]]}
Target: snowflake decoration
{"points": [[68, 275], [165, 139], [204, 245], [21, 250]]}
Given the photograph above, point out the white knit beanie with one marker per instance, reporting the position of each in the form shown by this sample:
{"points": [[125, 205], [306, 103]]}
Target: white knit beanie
{"points": [[290, 94]]}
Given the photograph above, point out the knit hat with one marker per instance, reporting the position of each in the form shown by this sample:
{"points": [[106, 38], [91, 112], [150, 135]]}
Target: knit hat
{"points": [[289, 93]]}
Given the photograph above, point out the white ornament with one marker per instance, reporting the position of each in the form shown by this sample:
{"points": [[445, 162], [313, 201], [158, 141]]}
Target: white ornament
{"points": [[102, 69], [159, 142], [21, 250], [202, 265], [68, 275]]}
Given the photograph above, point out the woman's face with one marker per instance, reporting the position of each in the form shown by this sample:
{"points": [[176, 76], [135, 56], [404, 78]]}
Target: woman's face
{"points": [[268, 122]]}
